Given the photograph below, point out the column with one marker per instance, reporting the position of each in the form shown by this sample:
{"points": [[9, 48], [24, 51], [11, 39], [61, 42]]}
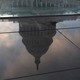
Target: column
{"points": [[36, 3], [26, 2], [46, 4], [12, 3], [17, 2], [41, 4], [32, 3], [29, 3], [21, 2], [50, 4]]}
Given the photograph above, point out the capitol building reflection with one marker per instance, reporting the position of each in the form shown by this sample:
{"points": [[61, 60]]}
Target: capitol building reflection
{"points": [[37, 39], [22, 8], [41, 3], [45, 3]]}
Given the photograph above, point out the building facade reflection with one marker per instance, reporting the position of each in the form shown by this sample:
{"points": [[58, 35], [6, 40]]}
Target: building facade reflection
{"points": [[37, 39], [41, 3], [20, 8], [46, 3]]}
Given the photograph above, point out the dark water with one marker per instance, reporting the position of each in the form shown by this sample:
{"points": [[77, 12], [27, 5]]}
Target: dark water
{"points": [[29, 47]]}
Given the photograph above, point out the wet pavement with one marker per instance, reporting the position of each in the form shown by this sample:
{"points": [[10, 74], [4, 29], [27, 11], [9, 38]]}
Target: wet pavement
{"points": [[32, 50]]}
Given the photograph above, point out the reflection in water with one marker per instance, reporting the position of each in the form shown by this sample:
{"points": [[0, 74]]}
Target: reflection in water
{"points": [[37, 42], [13, 8]]}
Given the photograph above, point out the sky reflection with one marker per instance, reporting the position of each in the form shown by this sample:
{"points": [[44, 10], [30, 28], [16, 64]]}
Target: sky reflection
{"points": [[69, 23], [8, 26], [11, 26], [17, 60], [73, 35]]}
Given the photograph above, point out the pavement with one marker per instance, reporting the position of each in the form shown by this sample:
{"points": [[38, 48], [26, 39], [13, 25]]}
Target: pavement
{"points": [[38, 50]]}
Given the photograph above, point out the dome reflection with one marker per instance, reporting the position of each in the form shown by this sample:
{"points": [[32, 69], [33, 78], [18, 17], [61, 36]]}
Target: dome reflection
{"points": [[37, 39]]}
